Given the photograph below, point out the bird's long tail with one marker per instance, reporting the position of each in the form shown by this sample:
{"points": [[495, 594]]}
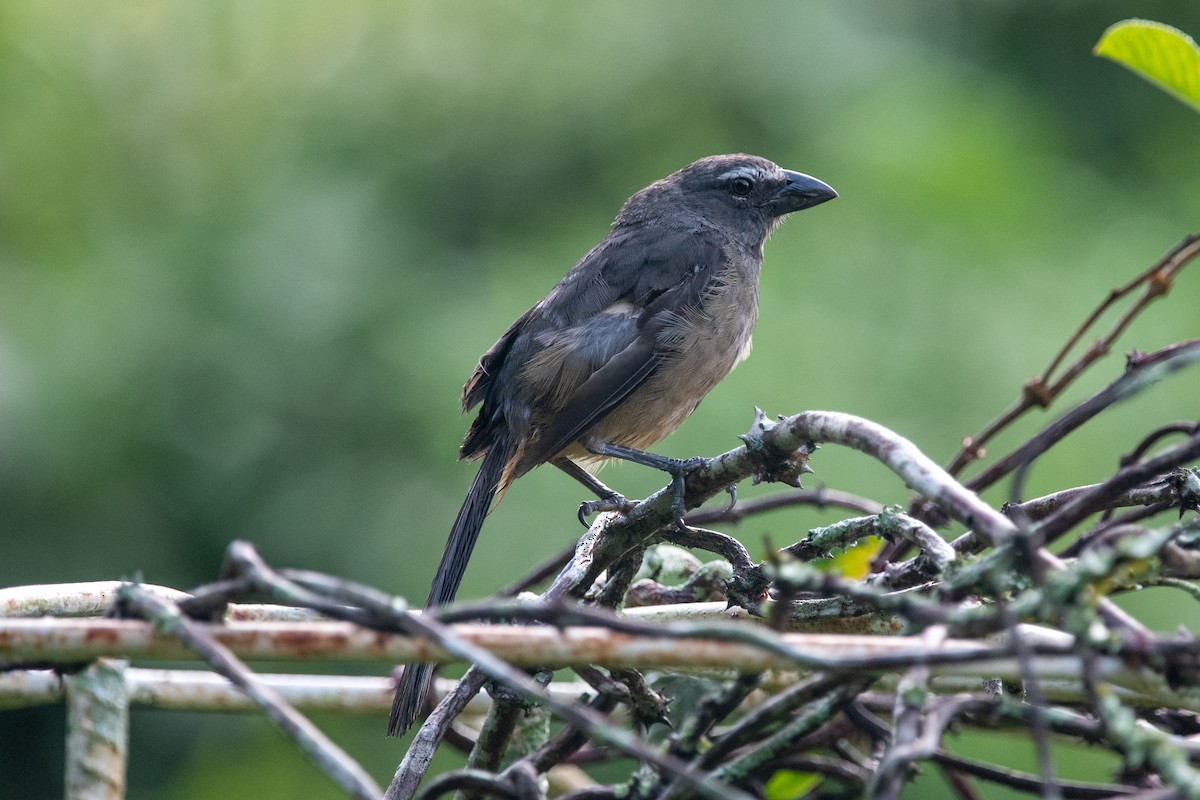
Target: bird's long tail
{"points": [[415, 680]]}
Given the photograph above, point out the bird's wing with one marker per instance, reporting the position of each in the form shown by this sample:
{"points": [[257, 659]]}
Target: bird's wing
{"points": [[613, 269], [667, 283]]}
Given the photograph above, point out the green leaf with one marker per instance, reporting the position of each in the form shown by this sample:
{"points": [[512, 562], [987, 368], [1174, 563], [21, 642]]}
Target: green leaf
{"points": [[1159, 53], [789, 785]]}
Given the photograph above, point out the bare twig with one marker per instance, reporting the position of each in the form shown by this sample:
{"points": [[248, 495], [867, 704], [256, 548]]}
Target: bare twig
{"points": [[475, 782], [323, 752], [1125, 479], [822, 497], [1152, 493], [1021, 781], [570, 739], [812, 716], [420, 753], [1042, 390], [544, 571], [488, 753], [1141, 372], [579, 717], [915, 733]]}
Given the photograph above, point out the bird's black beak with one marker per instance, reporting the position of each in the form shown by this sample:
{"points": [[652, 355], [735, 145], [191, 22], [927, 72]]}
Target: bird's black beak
{"points": [[801, 191]]}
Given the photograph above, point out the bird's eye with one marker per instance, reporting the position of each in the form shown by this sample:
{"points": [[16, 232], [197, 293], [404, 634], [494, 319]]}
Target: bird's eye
{"points": [[741, 186]]}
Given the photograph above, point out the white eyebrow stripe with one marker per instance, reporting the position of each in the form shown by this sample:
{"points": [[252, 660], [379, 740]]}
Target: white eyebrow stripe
{"points": [[740, 172]]}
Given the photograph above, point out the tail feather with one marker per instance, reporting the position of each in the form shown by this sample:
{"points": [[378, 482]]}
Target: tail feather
{"points": [[415, 680]]}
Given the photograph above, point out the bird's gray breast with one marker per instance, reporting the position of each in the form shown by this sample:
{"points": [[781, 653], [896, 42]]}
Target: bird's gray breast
{"points": [[699, 347]]}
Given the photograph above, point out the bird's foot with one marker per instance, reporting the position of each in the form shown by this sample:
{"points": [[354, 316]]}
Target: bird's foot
{"points": [[678, 468], [613, 502]]}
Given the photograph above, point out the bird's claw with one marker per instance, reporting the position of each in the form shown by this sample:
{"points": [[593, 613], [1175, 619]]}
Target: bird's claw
{"points": [[731, 489], [678, 487], [614, 502], [678, 469]]}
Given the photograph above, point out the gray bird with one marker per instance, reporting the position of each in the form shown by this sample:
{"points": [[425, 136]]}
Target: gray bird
{"points": [[621, 351]]}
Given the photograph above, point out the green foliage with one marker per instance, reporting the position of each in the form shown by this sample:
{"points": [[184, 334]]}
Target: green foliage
{"points": [[790, 785], [1163, 55]]}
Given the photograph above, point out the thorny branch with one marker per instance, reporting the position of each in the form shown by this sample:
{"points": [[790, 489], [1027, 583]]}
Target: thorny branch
{"points": [[1042, 390], [780, 708], [948, 587]]}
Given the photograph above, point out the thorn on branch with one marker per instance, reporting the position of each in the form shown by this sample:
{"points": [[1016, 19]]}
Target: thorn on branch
{"points": [[785, 469], [971, 450], [1036, 393], [1185, 482], [1159, 284]]}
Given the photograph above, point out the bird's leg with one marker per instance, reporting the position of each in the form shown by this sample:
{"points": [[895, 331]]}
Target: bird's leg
{"points": [[677, 468], [609, 500]]}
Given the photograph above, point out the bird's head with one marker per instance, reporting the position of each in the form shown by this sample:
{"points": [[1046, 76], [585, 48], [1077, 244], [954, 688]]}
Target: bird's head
{"points": [[736, 192]]}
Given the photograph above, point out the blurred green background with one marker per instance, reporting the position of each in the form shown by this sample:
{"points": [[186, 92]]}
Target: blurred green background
{"points": [[250, 251]]}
